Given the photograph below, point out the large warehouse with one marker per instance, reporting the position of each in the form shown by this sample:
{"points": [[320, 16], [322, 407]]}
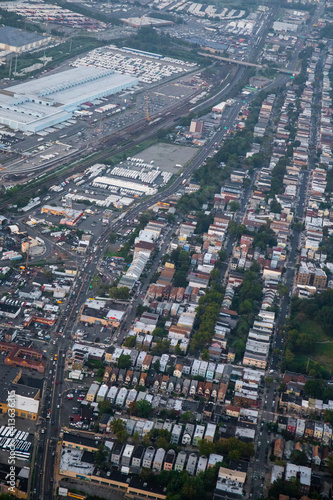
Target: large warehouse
{"points": [[15, 40], [47, 101], [123, 186]]}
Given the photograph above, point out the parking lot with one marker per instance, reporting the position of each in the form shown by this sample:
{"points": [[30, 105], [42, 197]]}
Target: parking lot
{"points": [[168, 156]]}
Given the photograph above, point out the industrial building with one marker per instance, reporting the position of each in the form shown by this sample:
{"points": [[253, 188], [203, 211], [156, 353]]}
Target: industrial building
{"points": [[71, 217], [38, 104], [15, 40], [197, 127], [139, 22], [123, 186]]}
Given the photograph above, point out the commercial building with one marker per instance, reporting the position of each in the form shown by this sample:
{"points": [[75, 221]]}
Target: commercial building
{"points": [[231, 481], [44, 102], [281, 26], [26, 398], [219, 108], [23, 356], [10, 309], [79, 442], [96, 312]]}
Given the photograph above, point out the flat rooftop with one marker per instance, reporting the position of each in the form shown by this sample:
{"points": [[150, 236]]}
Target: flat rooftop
{"points": [[18, 38], [43, 102]]}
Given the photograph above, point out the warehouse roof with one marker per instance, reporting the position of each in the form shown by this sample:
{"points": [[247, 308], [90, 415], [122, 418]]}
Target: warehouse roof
{"points": [[46, 101], [16, 37]]}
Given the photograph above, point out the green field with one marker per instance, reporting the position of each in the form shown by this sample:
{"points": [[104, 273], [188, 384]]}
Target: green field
{"points": [[323, 352]]}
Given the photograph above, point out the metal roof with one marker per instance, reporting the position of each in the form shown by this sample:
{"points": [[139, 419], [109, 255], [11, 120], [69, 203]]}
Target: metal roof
{"points": [[16, 37]]}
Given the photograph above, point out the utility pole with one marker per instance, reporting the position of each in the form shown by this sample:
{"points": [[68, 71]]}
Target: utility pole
{"points": [[147, 108], [28, 252], [10, 66], [15, 65]]}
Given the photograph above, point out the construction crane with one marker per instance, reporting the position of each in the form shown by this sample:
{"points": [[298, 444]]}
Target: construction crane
{"points": [[147, 108]]}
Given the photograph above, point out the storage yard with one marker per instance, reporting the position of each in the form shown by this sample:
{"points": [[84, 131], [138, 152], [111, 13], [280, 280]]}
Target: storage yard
{"points": [[47, 13], [113, 187], [199, 9], [146, 66]]}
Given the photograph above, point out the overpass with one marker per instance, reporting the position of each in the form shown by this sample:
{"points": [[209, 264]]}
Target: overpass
{"points": [[246, 63]]}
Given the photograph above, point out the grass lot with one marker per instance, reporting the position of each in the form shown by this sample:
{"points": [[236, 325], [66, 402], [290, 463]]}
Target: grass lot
{"points": [[96, 282], [323, 352]]}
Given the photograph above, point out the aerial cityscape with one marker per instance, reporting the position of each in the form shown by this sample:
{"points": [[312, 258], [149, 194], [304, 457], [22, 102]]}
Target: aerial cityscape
{"points": [[166, 250]]}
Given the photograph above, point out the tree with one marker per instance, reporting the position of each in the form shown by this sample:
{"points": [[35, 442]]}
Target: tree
{"points": [[315, 388], [298, 457], [180, 279], [330, 463], [142, 409], [146, 441], [154, 277], [130, 341], [283, 290], [186, 417], [100, 455], [233, 206], [136, 438], [141, 309], [329, 416], [246, 307], [234, 455], [282, 487], [161, 347], [122, 436], [124, 361], [146, 474], [121, 293], [205, 447], [165, 258], [157, 365], [117, 425], [289, 356], [159, 332], [105, 407], [163, 443], [275, 207], [205, 355]]}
